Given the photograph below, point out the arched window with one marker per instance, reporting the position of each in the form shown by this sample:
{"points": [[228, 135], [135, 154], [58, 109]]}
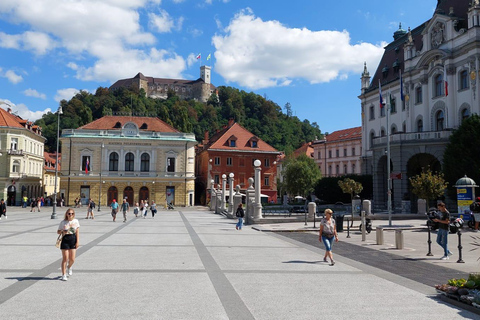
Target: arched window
{"points": [[439, 120], [438, 83], [345, 169], [16, 166], [353, 168], [129, 162], [113, 162], [145, 162], [420, 125], [393, 129], [465, 114], [382, 133]]}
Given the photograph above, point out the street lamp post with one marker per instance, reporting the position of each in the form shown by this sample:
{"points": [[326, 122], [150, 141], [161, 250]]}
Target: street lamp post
{"points": [[258, 188], [100, 181], [54, 212], [224, 186], [230, 194]]}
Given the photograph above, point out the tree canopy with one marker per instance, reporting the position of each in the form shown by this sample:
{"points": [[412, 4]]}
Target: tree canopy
{"points": [[462, 154], [428, 185], [301, 175], [262, 117]]}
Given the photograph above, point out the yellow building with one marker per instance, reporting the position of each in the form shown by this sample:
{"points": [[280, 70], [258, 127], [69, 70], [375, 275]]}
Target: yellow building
{"points": [[127, 157], [21, 158]]}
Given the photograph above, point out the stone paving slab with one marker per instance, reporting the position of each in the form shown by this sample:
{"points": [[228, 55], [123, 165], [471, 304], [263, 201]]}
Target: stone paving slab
{"points": [[209, 270]]}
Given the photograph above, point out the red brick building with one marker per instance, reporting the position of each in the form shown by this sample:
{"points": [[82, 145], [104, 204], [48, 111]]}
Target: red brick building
{"points": [[233, 150]]}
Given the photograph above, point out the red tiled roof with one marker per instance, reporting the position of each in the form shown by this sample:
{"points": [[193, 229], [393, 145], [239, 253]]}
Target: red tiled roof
{"points": [[50, 159], [306, 149], [243, 137], [10, 120], [110, 123], [346, 134]]}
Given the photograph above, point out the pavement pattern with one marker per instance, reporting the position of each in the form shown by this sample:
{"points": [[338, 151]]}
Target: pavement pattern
{"points": [[192, 264]]}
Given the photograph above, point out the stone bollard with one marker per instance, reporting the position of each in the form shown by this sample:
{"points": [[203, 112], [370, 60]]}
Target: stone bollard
{"points": [[421, 206], [379, 235], [399, 239]]}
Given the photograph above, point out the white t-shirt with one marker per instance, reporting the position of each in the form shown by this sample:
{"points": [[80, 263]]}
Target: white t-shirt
{"points": [[70, 226]]}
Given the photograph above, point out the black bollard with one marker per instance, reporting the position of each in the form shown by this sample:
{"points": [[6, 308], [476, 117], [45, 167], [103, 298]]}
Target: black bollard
{"points": [[429, 242], [460, 247], [314, 215], [348, 229]]}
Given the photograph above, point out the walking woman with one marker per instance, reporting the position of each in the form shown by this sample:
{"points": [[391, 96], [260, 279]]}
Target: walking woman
{"points": [[328, 232], [69, 228], [240, 214]]}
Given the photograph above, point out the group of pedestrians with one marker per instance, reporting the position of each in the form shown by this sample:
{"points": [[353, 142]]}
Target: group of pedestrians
{"points": [[140, 209]]}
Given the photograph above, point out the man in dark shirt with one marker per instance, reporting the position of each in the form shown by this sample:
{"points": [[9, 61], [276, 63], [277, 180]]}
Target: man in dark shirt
{"points": [[3, 209], [442, 233]]}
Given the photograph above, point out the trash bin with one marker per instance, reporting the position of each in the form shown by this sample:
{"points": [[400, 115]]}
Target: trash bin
{"points": [[339, 222]]}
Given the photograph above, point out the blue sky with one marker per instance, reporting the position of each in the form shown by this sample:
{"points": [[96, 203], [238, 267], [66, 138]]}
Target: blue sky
{"points": [[308, 52]]}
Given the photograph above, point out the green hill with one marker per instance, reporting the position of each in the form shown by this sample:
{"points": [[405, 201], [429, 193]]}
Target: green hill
{"points": [[262, 117]]}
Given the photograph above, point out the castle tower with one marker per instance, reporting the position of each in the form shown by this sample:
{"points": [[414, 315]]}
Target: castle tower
{"points": [[205, 72], [365, 78]]}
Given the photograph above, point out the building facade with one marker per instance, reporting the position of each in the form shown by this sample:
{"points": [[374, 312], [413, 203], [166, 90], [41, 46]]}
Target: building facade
{"points": [[50, 162], [339, 153], [428, 85], [233, 150], [21, 158], [126, 157], [158, 88]]}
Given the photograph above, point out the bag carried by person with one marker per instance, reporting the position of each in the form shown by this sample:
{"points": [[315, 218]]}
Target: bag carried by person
{"points": [[59, 240]]}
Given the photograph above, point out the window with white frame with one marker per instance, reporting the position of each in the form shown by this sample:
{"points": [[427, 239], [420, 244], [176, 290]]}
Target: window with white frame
{"points": [[171, 164], [14, 143], [266, 181], [229, 161]]}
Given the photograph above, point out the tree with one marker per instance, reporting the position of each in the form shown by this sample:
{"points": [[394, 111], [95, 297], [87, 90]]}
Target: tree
{"points": [[428, 185], [350, 186], [461, 156], [301, 175]]}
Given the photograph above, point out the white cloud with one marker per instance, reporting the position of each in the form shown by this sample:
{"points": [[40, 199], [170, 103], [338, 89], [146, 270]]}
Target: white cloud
{"points": [[162, 22], [22, 111], [65, 94], [37, 42], [102, 31], [191, 60], [12, 76], [34, 93], [259, 54]]}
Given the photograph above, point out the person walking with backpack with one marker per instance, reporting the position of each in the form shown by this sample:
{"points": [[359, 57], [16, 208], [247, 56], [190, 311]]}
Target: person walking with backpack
{"points": [[153, 208], [442, 233], [475, 208], [90, 207], [240, 213]]}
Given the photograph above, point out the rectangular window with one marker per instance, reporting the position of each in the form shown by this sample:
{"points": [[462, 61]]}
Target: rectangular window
{"points": [[233, 143], [353, 151], [344, 152], [229, 161], [217, 179], [170, 164], [337, 153], [393, 106], [329, 153], [372, 113], [86, 163], [217, 161], [254, 144], [337, 170], [266, 180], [319, 155], [329, 170], [418, 95], [267, 162], [463, 80], [14, 144]]}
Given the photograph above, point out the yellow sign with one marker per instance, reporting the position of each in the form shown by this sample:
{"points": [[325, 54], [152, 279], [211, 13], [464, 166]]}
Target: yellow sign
{"points": [[462, 203], [461, 190]]}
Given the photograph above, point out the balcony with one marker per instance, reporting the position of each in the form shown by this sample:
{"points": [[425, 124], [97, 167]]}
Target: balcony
{"points": [[413, 137], [15, 152]]}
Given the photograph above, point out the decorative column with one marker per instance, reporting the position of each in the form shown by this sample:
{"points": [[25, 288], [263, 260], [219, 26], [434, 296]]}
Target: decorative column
{"points": [[213, 197], [258, 188], [237, 199], [230, 193], [250, 201], [224, 186]]}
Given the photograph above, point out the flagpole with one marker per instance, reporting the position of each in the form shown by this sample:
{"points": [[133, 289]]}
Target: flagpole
{"points": [[389, 180]]}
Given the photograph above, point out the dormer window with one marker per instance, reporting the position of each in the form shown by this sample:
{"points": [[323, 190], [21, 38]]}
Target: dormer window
{"points": [[385, 71], [118, 125], [232, 141], [144, 126], [254, 144]]}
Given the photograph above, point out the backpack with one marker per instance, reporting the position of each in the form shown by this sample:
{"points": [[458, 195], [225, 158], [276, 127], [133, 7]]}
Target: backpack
{"points": [[475, 207], [93, 204]]}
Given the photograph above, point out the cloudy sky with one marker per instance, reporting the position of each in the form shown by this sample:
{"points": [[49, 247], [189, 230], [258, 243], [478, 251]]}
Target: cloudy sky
{"points": [[309, 53]]}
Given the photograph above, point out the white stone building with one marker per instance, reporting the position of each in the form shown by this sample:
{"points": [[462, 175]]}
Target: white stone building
{"points": [[446, 45]]}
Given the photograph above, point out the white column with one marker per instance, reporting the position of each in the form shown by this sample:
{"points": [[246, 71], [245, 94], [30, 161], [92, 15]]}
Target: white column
{"points": [[258, 188]]}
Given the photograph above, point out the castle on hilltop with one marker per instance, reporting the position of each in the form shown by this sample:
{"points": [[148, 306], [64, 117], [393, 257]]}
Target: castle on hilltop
{"points": [[157, 88]]}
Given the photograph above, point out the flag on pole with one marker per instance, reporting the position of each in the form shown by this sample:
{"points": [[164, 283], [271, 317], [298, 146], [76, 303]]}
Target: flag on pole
{"points": [[401, 87], [199, 56], [86, 165], [445, 80], [209, 56], [382, 103]]}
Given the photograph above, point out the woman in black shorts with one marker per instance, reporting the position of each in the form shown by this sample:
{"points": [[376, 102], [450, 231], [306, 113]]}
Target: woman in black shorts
{"points": [[69, 227]]}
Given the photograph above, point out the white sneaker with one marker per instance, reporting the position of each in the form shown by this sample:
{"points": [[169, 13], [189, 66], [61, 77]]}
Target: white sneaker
{"points": [[69, 271], [64, 278], [444, 258]]}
